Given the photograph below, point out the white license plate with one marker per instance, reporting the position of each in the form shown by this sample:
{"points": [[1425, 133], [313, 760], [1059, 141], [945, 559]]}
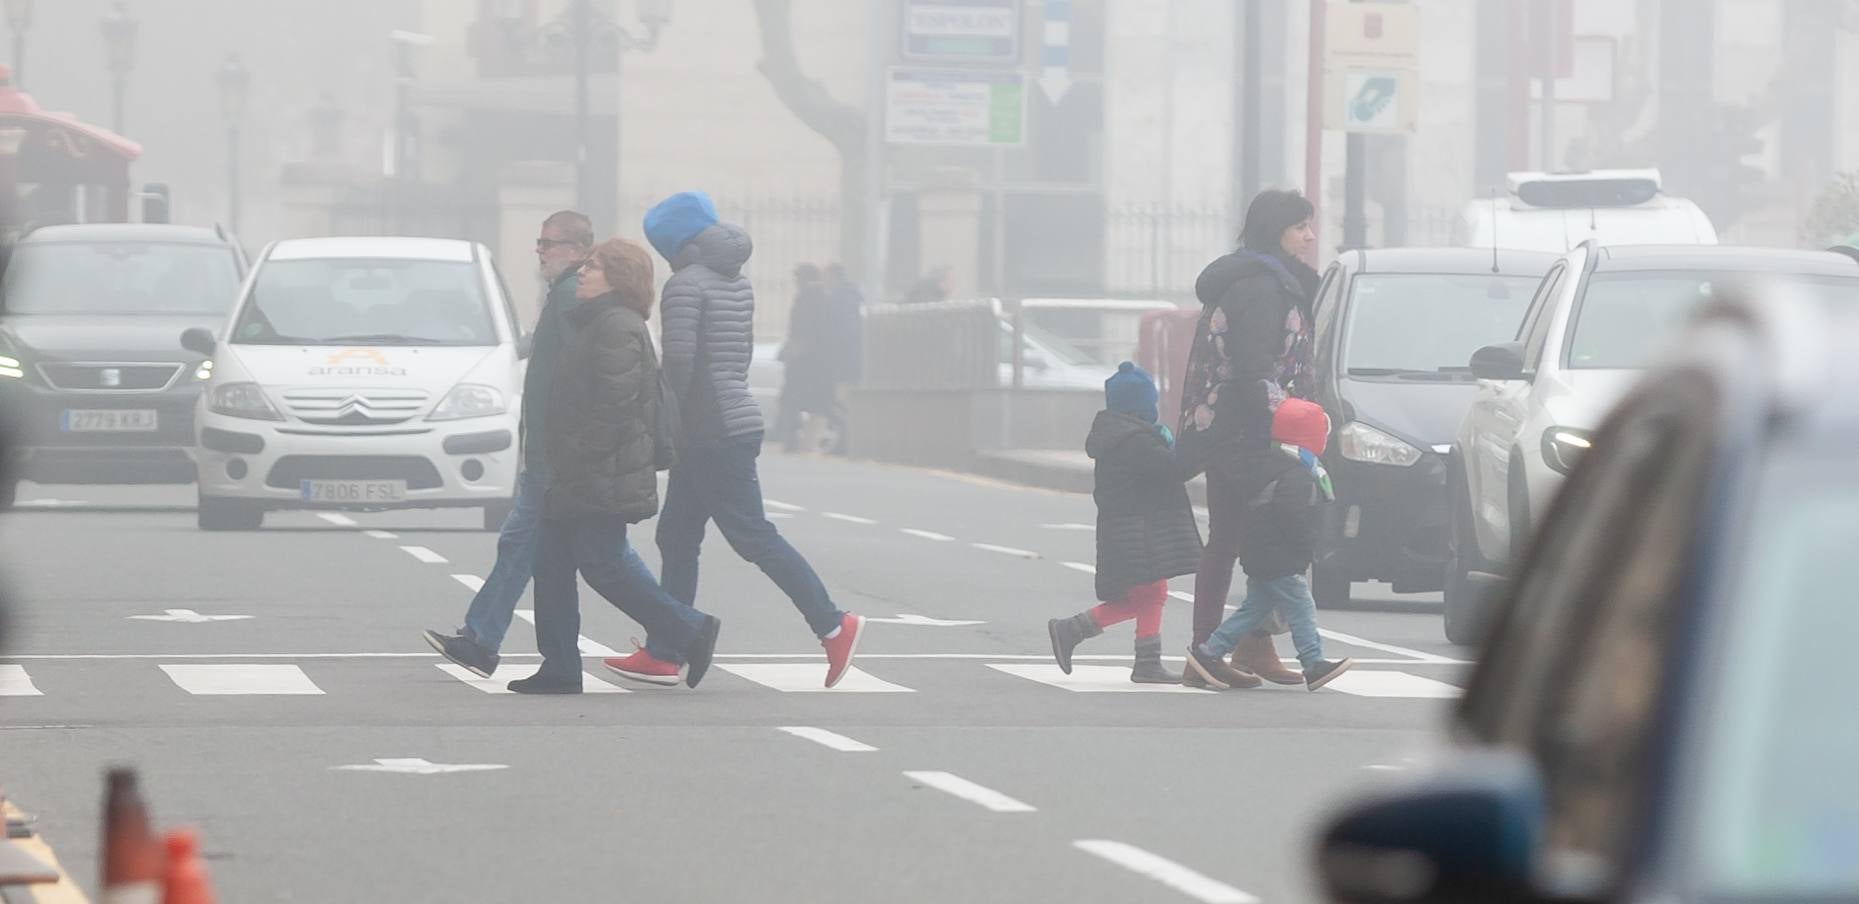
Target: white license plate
{"points": [[112, 420], [355, 492]]}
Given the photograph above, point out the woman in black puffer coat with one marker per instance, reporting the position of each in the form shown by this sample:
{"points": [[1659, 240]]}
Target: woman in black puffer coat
{"points": [[1145, 525]]}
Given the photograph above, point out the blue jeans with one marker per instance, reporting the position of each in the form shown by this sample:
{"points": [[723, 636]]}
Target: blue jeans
{"points": [[1289, 595], [719, 483], [488, 619], [597, 548]]}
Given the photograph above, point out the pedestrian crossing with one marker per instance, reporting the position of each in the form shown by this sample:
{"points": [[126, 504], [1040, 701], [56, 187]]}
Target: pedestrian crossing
{"points": [[50, 680]]}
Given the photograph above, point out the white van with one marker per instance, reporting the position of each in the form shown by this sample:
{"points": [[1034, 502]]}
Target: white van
{"points": [[1555, 212], [361, 374]]}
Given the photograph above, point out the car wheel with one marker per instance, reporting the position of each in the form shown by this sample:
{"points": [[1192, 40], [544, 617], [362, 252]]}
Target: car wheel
{"points": [[1329, 587], [495, 513], [228, 514]]}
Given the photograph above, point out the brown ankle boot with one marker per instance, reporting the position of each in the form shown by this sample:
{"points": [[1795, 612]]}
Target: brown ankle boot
{"points": [[1257, 655]]}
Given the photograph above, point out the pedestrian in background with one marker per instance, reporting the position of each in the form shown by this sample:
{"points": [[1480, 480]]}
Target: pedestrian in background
{"points": [[933, 287], [1145, 525], [708, 336], [1279, 535], [846, 327], [1252, 350], [807, 358]]}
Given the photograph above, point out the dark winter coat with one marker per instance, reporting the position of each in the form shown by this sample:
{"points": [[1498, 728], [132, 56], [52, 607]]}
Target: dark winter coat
{"points": [[544, 352], [808, 356], [710, 372], [1145, 523], [1251, 349], [603, 412], [1284, 515]]}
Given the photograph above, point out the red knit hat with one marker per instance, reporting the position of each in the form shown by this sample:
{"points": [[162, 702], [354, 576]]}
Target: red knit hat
{"points": [[1302, 424]]}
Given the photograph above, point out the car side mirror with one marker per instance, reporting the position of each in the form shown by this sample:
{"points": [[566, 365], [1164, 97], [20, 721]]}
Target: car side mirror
{"points": [[525, 346], [1503, 361], [199, 341], [1462, 837]]}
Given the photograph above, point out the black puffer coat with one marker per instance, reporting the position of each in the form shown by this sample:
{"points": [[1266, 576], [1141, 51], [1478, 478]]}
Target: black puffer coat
{"points": [[602, 416], [1145, 522], [1284, 516]]}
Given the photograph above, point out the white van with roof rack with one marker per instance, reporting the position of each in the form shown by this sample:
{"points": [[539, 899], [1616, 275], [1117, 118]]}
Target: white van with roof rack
{"points": [[1555, 212]]}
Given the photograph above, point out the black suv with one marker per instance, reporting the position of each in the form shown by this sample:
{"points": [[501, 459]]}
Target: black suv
{"points": [[90, 376]]}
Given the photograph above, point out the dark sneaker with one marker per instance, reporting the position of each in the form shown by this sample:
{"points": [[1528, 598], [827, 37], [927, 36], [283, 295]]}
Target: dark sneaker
{"points": [[1325, 672], [461, 650], [1214, 670], [546, 684], [697, 658]]}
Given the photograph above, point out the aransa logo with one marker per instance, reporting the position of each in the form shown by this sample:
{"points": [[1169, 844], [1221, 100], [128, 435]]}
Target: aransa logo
{"points": [[358, 362], [354, 355]]}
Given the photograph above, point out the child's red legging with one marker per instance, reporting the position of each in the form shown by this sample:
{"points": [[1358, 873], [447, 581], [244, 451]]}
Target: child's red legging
{"points": [[1143, 603]]}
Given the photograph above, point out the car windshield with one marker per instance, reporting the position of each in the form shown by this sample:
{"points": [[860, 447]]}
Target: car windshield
{"points": [[1430, 322], [1780, 814], [121, 278], [366, 302], [1621, 315]]}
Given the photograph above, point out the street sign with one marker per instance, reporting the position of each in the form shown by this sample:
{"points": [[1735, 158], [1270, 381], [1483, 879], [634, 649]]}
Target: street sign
{"points": [[1388, 34], [1371, 100], [962, 31], [1055, 78], [965, 107]]}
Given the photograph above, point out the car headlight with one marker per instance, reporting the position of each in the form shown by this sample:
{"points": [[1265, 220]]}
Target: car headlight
{"points": [[1360, 442], [468, 400], [1564, 447], [204, 372], [11, 368], [242, 400]]}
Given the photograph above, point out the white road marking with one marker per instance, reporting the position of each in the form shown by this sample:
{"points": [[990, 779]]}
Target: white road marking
{"points": [[987, 798], [927, 535], [826, 738], [499, 680], [337, 520], [380, 535], [14, 682], [1091, 679], [811, 657], [1080, 566], [188, 616], [1165, 871], [809, 678], [417, 766], [849, 519], [1392, 684], [48, 503], [1006, 550], [924, 621], [1078, 527], [781, 506], [1184, 597], [777, 516], [423, 554], [1417, 655], [471, 581], [241, 680], [588, 647]]}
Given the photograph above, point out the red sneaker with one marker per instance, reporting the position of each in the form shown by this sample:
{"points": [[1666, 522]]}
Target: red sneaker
{"points": [[841, 648], [644, 667]]}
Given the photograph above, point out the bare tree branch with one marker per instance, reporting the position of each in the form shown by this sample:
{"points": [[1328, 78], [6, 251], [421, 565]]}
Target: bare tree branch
{"points": [[839, 123]]}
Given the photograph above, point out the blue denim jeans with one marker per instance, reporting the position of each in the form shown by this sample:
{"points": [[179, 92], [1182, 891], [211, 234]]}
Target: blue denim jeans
{"points": [[597, 548], [1289, 595], [488, 619], [719, 483]]}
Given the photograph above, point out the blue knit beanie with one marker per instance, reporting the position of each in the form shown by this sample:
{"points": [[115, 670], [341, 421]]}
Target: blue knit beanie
{"points": [[678, 219], [1131, 391]]}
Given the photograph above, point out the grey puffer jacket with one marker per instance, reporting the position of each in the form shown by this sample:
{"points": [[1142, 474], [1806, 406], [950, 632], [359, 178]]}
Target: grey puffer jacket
{"points": [[710, 372]]}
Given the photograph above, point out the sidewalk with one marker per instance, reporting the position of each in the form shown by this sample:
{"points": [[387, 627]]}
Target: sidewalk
{"points": [[1052, 469], [64, 891]]}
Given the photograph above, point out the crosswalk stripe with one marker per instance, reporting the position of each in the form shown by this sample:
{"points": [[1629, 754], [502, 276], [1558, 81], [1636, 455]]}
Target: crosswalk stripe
{"points": [[242, 679], [14, 682], [809, 678], [588, 646], [424, 555], [1387, 683], [472, 582], [1090, 679], [498, 682]]}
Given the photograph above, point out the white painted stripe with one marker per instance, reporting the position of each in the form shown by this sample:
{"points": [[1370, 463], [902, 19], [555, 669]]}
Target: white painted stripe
{"points": [[1006, 550], [1165, 871], [777, 516], [14, 682], [849, 519], [1418, 655], [1184, 597], [472, 582], [337, 520], [826, 738], [498, 682], [1090, 679], [1373, 683], [588, 647], [380, 535], [927, 535], [810, 678], [811, 657], [241, 680], [781, 506], [1080, 566], [1069, 526], [423, 554], [987, 798]]}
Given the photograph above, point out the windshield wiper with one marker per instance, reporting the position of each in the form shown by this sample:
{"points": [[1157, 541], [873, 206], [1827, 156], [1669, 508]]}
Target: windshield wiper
{"points": [[1384, 371], [383, 339]]}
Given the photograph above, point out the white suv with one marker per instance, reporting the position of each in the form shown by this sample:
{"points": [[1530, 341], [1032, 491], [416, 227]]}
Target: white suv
{"points": [[362, 374], [1596, 319]]}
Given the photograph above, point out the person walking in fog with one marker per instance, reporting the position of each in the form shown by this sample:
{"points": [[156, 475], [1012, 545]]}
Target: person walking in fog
{"points": [[708, 336], [566, 239], [1279, 536], [603, 456], [1145, 525], [807, 358], [846, 329], [1252, 350], [933, 287]]}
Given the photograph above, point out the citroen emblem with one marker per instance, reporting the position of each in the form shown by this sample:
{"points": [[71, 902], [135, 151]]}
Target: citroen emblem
{"points": [[110, 377]]}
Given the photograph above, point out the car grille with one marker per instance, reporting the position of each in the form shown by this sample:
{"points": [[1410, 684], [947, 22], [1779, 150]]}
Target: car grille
{"points": [[85, 377], [355, 407], [292, 470]]}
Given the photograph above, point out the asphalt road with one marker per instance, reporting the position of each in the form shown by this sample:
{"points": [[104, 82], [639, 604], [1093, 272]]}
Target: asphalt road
{"points": [[956, 765]]}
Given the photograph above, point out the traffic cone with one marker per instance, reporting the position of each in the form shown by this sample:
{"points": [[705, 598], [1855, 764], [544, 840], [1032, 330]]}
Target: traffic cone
{"points": [[132, 858], [186, 881]]}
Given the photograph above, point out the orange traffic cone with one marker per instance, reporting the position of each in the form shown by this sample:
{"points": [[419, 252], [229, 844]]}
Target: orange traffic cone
{"points": [[186, 880], [132, 859]]}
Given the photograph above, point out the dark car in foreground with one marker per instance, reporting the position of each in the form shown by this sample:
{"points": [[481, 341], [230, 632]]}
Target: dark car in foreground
{"points": [[1395, 328], [90, 374], [1662, 710]]}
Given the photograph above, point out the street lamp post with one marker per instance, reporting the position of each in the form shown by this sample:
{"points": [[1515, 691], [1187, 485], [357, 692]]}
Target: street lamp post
{"points": [[19, 21], [119, 40], [234, 81], [654, 15]]}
